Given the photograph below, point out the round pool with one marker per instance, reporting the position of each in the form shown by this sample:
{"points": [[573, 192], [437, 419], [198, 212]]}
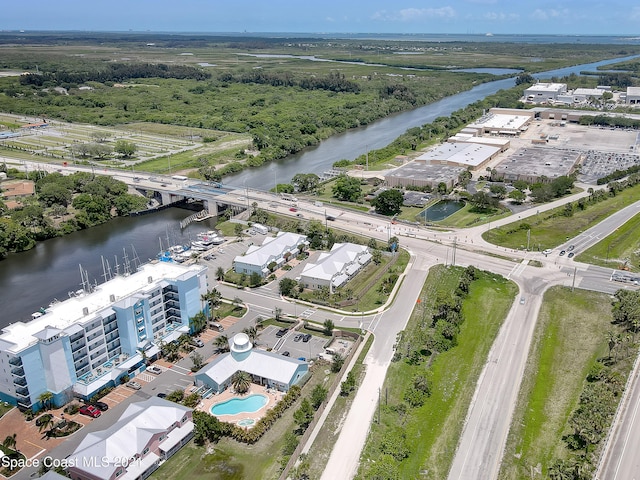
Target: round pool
{"points": [[246, 422], [249, 404]]}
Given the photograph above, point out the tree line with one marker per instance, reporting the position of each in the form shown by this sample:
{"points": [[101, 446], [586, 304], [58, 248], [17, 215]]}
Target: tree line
{"points": [[333, 82], [116, 72]]}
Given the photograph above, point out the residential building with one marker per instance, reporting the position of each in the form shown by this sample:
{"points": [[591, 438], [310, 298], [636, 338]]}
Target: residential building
{"points": [[266, 368], [276, 250], [335, 268], [90, 341], [145, 435]]}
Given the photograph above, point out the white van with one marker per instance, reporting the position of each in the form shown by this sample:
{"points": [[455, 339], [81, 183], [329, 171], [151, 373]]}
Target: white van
{"points": [[216, 326]]}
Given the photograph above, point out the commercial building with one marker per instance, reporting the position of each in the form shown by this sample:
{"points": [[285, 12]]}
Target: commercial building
{"points": [[145, 435], [535, 164], [277, 250], [335, 268], [502, 121], [544, 92], [88, 342], [581, 95], [467, 155], [633, 96], [420, 174], [266, 368]]}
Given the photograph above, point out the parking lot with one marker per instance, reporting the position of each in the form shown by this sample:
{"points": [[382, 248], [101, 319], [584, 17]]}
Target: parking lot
{"points": [[287, 343]]}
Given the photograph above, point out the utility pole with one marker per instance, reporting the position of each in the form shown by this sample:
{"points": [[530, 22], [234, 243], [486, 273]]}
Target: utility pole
{"points": [[573, 285], [453, 256]]}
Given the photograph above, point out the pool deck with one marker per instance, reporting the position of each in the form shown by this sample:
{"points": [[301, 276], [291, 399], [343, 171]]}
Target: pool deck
{"points": [[272, 395]]}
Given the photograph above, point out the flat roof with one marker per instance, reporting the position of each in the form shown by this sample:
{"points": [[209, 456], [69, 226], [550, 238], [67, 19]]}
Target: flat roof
{"points": [[464, 154], [501, 121], [539, 161], [426, 172], [65, 314], [546, 87]]}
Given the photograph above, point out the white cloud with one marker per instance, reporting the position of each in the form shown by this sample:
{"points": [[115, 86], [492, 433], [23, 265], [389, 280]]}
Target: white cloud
{"points": [[410, 14], [501, 16], [540, 14]]}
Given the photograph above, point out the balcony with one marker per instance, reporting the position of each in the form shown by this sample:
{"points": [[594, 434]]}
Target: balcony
{"points": [[79, 355], [15, 361], [17, 372], [23, 392], [20, 381]]}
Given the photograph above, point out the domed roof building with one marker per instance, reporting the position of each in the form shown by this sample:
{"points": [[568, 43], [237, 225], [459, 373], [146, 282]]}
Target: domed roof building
{"points": [[266, 368]]}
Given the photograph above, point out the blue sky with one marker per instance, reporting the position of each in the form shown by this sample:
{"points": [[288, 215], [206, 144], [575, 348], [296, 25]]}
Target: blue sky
{"points": [[583, 17]]}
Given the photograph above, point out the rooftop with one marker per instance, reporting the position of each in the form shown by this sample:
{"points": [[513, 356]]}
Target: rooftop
{"points": [[463, 154], [426, 172], [84, 306], [539, 161]]}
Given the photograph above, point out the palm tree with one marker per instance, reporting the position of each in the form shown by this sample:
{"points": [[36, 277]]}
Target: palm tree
{"points": [[252, 333], [222, 343], [10, 442], [241, 381], [213, 298], [198, 322], [45, 399], [220, 274], [44, 422]]}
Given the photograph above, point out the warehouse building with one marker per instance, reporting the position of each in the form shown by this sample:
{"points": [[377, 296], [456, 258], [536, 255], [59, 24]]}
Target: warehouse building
{"points": [[420, 174], [633, 95], [544, 92], [466, 155], [535, 164]]}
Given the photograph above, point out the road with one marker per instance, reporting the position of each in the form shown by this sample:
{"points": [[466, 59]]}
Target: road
{"points": [[488, 420]]}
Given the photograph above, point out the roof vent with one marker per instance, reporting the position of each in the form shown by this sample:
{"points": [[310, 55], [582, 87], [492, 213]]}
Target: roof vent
{"points": [[150, 279], [112, 298], [85, 311]]}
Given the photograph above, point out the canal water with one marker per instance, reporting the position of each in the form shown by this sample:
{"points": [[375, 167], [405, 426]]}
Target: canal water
{"points": [[31, 280]]}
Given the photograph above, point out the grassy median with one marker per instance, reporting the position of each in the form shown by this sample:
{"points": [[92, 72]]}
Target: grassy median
{"points": [[570, 336], [420, 442]]}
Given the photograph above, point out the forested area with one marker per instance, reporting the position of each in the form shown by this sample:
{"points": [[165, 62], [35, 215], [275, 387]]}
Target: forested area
{"points": [[63, 204]]}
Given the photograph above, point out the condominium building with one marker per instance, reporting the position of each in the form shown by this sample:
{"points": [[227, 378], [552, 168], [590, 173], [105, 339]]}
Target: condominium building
{"points": [[145, 436], [277, 250], [99, 335]]}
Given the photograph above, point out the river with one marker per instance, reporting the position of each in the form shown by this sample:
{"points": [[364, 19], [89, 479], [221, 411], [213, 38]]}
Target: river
{"points": [[353, 143], [33, 279]]}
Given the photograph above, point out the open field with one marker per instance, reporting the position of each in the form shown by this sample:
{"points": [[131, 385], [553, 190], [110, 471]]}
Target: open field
{"points": [[620, 249], [570, 335], [431, 431], [552, 228]]}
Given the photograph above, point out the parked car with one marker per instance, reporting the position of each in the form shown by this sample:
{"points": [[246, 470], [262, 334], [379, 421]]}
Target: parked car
{"points": [[134, 385], [90, 411], [521, 300], [286, 354], [571, 247], [197, 342], [562, 252], [161, 395], [293, 209], [282, 332], [306, 337], [103, 407], [298, 337], [571, 254], [154, 369]]}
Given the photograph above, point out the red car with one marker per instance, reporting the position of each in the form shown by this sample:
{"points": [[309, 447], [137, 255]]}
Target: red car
{"points": [[90, 411], [293, 209]]}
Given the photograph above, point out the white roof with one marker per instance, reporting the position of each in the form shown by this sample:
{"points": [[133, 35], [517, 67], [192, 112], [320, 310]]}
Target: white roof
{"points": [[594, 92], [257, 362], [129, 435], [67, 314], [546, 87], [463, 154], [501, 121], [271, 248], [635, 91], [335, 262]]}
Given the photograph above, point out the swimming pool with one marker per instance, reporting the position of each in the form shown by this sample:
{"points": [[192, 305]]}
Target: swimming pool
{"points": [[249, 404]]}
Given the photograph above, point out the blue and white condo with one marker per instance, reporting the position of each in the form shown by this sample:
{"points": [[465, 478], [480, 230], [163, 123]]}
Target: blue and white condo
{"points": [[94, 338]]}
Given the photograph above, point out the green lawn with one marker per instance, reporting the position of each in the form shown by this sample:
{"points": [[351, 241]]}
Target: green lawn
{"points": [[621, 248], [465, 217], [4, 409], [551, 228], [569, 337], [432, 431]]}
